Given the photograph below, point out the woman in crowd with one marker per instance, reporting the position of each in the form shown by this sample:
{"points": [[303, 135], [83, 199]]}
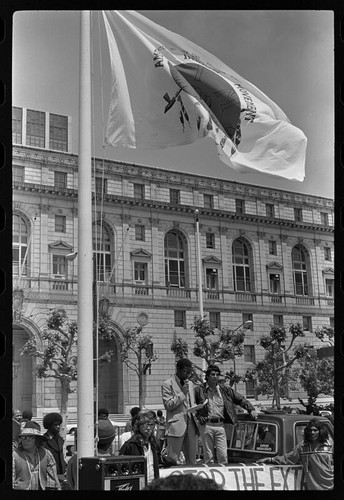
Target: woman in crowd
{"points": [[315, 453], [34, 467], [144, 443]]}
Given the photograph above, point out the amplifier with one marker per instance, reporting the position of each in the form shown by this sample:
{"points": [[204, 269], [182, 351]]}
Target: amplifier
{"points": [[121, 473]]}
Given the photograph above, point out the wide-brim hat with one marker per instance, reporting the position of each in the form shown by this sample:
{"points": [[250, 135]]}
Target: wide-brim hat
{"points": [[106, 432], [31, 429], [50, 419]]}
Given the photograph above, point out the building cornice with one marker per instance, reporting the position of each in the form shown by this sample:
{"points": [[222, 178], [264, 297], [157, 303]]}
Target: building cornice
{"points": [[187, 209], [161, 176]]}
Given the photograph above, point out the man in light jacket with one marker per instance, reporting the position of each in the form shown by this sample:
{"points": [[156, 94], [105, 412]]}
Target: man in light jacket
{"points": [[182, 427]]}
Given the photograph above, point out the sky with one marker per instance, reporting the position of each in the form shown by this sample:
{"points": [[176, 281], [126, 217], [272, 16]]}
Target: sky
{"points": [[287, 54]]}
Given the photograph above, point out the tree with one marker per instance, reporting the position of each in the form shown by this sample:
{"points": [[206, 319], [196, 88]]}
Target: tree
{"points": [[141, 346], [316, 377], [57, 359], [210, 344], [325, 334], [274, 373]]}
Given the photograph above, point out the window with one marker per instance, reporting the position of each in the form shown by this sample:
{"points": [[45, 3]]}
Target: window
{"points": [[239, 207], [140, 271], [174, 260], [59, 266], [19, 245], [298, 214], [332, 321], [208, 201], [307, 323], [253, 435], [212, 280], [60, 223], [139, 191], [329, 283], [35, 128], [139, 232], [278, 320], [58, 132], [249, 354], [299, 433], [60, 179], [324, 218], [175, 196], [270, 210], [17, 121], [18, 174], [250, 394], [101, 186], [299, 270], [210, 240], [101, 253], [215, 319], [247, 317], [327, 253], [241, 266], [180, 319], [275, 283], [272, 247]]}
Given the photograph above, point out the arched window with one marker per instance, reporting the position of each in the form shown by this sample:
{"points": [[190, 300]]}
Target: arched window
{"points": [[19, 245], [101, 253], [174, 260], [241, 266], [299, 263]]}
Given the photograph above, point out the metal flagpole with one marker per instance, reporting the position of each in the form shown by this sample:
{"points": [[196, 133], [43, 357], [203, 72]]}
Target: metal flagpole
{"points": [[85, 268], [199, 270]]}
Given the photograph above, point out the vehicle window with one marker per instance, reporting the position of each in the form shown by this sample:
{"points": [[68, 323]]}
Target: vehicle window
{"points": [[251, 429], [266, 438], [299, 430], [238, 435], [255, 436]]}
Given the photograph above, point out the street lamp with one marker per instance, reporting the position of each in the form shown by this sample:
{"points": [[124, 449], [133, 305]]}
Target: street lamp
{"points": [[245, 325]]}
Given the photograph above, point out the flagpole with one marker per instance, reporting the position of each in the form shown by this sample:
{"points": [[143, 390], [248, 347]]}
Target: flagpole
{"points": [[199, 271], [85, 266]]}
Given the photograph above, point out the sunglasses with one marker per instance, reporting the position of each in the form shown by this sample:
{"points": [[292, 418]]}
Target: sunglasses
{"points": [[27, 437]]}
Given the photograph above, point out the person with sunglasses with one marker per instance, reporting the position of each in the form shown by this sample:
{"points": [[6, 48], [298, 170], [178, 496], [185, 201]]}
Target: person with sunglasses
{"points": [[144, 443], [34, 467]]}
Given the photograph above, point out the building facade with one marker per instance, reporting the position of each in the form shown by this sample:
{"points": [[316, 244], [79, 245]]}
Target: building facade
{"points": [[267, 256]]}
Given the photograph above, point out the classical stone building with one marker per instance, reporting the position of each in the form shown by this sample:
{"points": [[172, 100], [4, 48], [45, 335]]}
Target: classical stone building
{"points": [[266, 256]]}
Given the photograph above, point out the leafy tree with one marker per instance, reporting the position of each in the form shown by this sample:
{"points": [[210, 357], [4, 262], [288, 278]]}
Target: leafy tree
{"points": [[325, 334], [141, 346], [57, 359], [274, 373], [210, 344], [316, 377]]}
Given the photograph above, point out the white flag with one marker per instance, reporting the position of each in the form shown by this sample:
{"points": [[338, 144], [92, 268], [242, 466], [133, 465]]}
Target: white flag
{"points": [[167, 91]]}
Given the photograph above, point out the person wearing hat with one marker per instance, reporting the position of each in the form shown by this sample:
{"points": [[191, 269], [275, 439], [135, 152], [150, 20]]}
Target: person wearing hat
{"points": [[144, 443], [34, 467], [106, 435], [54, 442]]}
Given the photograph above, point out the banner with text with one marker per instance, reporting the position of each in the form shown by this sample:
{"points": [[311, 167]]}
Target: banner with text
{"points": [[247, 478]]}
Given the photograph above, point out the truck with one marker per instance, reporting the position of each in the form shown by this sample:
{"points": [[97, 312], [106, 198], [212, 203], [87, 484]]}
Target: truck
{"points": [[274, 433]]}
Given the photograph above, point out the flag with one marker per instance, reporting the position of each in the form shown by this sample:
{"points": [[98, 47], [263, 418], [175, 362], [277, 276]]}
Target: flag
{"points": [[167, 91]]}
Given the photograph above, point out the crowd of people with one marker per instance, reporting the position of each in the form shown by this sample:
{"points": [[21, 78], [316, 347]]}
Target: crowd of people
{"points": [[196, 413]]}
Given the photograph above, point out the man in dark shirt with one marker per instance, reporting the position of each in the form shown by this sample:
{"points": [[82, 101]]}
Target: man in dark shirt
{"points": [[54, 441], [219, 411]]}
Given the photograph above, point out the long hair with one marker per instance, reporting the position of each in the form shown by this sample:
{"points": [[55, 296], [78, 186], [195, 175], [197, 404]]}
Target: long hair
{"points": [[141, 418], [323, 432]]}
